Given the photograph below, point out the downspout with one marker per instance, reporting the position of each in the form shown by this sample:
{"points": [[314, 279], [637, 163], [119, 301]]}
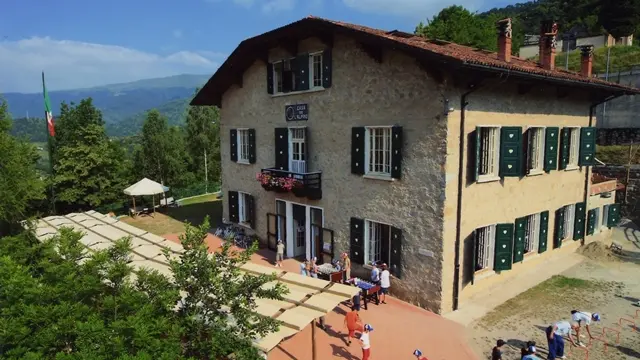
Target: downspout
{"points": [[456, 273], [587, 175]]}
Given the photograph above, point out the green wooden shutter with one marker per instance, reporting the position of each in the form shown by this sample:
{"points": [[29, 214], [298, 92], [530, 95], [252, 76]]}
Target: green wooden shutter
{"points": [[613, 217], [476, 138], [233, 145], [281, 148], [251, 209], [396, 152], [511, 151], [578, 222], [302, 72], [587, 146], [395, 265], [326, 69], [356, 243], [269, 78], [233, 206], [357, 150], [551, 149], [518, 240], [559, 228], [591, 221], [565, 137], [252, 146], [544, 229], [504, 246]]}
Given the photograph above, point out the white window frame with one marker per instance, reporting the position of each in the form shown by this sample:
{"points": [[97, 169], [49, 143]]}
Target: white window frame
{"points": [[605, 216], [535, 153], [383, 156], [485, 247], [242, 144], [312, 70], [532, 235], [574, 147], [304, 153], [596, 223], [242, 207], [569, 220], [490, 152], [369, 256]]}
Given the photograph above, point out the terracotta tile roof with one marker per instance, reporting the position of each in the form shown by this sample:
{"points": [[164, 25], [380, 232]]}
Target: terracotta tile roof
{"points": [[246, 53], [470, 55]]}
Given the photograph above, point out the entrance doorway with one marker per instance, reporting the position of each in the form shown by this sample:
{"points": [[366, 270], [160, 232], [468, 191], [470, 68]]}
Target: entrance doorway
{"points": [[299, 229]]}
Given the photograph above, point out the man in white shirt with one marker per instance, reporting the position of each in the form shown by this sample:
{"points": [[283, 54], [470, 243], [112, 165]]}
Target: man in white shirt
{"points": [[385, 283], [555, 340], [366, 342], [582, 317]]}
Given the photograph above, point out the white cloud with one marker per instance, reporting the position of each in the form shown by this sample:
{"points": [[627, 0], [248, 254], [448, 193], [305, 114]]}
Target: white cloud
{"points": [[71, 64], [278, 5], [417, 9]]}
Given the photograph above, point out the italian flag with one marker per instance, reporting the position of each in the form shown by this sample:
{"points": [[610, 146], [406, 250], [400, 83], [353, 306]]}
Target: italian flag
{"points": [[47, 110]]}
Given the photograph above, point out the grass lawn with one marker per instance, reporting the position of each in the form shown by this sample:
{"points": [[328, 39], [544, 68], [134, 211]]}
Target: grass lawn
{"points": [[172, 220], [199, 199]]}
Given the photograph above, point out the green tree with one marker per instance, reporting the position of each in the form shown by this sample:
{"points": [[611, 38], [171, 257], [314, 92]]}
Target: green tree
{"points": [[88, 169], [20, 183], [162, 154], [203, 140], [620, 18]]}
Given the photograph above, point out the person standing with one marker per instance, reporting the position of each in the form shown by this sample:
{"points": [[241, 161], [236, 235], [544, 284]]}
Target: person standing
{"points": [[279, 253], [366, 342], [375, 274], [352, 322], [346, 265], [303, 268], [496, 352], [555, 341], [385, 283], [313, 268], [585, 318]]}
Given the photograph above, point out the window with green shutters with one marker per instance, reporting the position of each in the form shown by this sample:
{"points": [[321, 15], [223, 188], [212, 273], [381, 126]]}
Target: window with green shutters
{"points": [[504, 247], [518, 240], [487, 153], [591, 221], [535, 137], [511, 151], [559, 228], [579, 222], [303, 72], [587, 146], [613, 215], [544, 229], [551, 149]]}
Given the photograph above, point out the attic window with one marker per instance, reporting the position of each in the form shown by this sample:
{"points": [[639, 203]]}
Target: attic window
{"points": [[400, 34]]}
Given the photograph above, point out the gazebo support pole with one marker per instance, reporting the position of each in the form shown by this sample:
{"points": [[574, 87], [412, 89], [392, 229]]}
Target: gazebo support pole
{"points": [[313, 339], [134, 206], [154, 204]]}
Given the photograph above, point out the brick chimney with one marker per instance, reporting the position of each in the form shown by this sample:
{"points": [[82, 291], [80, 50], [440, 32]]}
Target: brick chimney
{"points": [[548, 32], [504, 39], [586, 60]]}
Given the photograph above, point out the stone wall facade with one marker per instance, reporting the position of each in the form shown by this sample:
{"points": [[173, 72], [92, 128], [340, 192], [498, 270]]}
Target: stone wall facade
{"points": [[363, 93]]}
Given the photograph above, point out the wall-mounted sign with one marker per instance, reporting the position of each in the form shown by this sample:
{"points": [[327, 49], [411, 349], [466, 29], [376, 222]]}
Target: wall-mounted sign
{"points": [[298, 112]]}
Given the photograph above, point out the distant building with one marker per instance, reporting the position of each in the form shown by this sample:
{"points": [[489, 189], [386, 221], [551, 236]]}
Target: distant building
{"points": [[531, 43]]}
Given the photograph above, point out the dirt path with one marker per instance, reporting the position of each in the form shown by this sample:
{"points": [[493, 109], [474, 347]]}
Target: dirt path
{"points": [[603, 284]]}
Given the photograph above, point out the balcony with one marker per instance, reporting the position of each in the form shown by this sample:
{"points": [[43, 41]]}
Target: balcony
{"points": [[601, 184], [308, 184]]}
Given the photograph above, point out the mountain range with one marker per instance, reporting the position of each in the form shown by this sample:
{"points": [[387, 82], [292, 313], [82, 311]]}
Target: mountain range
{"points": [[123, 106]]}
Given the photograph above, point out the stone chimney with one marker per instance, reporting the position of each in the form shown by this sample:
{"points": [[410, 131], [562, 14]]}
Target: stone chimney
{"points": [[504, 39], [548, 33], [586, 60]]}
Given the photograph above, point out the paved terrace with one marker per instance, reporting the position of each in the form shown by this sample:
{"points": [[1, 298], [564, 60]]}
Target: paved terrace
{"points": [[399, 327]]}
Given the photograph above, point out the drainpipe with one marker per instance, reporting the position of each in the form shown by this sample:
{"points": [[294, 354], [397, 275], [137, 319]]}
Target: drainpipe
{"points": [[592, 110], [461, 179]]}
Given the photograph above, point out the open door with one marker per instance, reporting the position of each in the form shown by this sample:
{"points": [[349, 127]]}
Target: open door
{"points": [[327, 245], [272, 231]]}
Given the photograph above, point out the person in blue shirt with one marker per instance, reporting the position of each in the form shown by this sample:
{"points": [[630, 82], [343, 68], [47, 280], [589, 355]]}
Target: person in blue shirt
{"points": [[375, 274], [531, 354], [555, 338]]}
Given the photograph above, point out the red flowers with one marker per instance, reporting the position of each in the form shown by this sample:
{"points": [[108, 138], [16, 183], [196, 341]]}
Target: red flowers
{"points": [[278, 182]]}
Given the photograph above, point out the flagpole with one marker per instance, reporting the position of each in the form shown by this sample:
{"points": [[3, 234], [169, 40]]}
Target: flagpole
{"points": [[50, 143]]}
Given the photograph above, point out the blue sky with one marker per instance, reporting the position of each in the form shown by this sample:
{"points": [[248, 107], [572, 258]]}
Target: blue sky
{"points": [[90, 43]]}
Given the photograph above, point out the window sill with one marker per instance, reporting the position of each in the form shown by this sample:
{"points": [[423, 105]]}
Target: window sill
{"points": [[243, 162], [483, 274], [572, 167], [378, 177], [535, 172], [530, 256], [245, 225], [298, 92], [487, 178]]}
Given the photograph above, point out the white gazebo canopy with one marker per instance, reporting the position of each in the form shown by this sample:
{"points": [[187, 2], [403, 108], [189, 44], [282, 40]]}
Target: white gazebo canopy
{"points": [[146, 187]]}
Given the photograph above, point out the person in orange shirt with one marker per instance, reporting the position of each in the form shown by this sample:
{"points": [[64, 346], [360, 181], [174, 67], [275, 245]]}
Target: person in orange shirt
{"points": [[352, 322]]}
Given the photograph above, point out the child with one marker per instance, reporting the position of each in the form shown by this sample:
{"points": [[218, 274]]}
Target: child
{"points": [[352, 322], [279, 253], [385, 283], [531, 354], [366, 342], [525, 350], [418, 354], [496, 353]]}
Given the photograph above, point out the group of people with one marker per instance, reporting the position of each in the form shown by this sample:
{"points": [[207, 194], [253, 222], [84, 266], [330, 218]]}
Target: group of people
{"points": [[555, 337]]}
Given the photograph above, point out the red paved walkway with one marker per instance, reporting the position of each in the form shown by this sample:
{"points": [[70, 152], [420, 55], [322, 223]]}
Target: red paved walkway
{"points": [[399, 328]]}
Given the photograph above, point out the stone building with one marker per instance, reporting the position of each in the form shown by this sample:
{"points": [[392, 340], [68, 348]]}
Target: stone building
{"points": [[458, 167]]}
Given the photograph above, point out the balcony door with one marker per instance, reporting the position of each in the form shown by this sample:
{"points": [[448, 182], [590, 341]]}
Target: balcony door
{"points": [[298, 150]]}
